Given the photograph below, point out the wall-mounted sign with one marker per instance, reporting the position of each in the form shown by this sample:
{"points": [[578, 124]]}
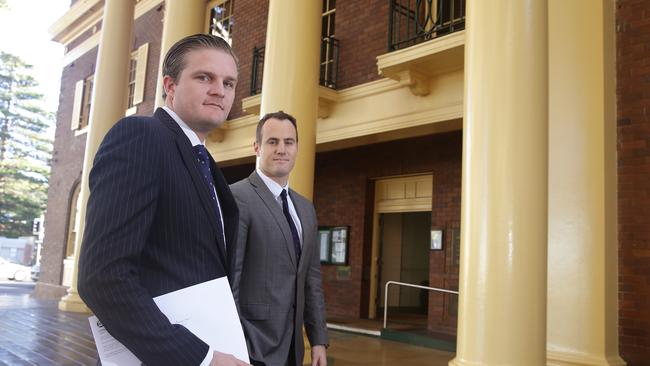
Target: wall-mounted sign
{"points": [[436, 240], [333, 244]]}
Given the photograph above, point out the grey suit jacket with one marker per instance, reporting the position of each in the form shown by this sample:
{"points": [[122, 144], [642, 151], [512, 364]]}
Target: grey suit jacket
{"points": [[274, 293]]}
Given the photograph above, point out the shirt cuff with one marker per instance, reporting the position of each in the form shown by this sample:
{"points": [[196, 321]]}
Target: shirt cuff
{"points": [[208, 358]]}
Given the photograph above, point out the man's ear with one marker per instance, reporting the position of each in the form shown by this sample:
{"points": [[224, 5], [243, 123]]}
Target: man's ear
{"points": [[169, 85], [256, 148]]}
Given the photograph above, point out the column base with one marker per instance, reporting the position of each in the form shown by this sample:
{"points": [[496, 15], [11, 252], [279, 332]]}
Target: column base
{"points": [[72, 303], [307, 359], [572, 359], [49, 291], [457, 362]]}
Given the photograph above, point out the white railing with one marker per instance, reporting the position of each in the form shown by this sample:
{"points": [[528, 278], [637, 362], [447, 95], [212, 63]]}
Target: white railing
{"points": [[409, 285]]}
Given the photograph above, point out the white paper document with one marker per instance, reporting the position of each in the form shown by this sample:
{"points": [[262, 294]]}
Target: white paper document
{"points": [[207, 310]]}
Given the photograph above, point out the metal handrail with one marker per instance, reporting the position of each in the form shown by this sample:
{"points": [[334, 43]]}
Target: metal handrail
{"points": [[408, 285]]}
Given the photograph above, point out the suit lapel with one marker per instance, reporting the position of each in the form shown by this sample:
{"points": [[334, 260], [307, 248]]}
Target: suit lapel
{"points": [[272, 205], [190, 161]]}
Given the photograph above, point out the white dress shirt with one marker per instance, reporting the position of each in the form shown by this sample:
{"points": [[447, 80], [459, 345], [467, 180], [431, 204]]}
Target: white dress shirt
{"points": [[276, 190]]}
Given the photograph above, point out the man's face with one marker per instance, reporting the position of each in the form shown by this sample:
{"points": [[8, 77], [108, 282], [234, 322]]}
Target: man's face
{"points": [[203, 93], [277, 149]]}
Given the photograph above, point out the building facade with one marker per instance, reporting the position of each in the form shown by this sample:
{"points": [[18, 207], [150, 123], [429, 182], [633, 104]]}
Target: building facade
{"points": [[421, 132]]}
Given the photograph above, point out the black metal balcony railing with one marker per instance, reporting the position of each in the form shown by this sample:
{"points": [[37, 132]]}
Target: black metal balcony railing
{"points": [[329, 62], [414, 21], [257, 70], [329, 65]]}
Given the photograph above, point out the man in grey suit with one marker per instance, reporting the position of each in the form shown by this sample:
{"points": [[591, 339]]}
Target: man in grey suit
{"points": [[276, 276]]}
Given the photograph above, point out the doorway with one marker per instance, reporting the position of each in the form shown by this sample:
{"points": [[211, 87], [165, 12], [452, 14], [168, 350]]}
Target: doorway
{"points": [[404, 257], [400, 243]]}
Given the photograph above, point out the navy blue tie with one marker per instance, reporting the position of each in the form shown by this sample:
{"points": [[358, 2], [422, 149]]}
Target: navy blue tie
{"points": [[292, 225], [204, 165]]}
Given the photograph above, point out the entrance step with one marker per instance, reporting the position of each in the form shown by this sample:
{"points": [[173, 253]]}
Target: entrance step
{"points": [[421, 338], [354, 329], [409, 330]]}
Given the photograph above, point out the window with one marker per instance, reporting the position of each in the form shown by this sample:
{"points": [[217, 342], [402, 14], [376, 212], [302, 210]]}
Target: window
{"points": [[137, 73], [132, 67], [327, 43], [220, 19], [81, 107], [329, 13]]}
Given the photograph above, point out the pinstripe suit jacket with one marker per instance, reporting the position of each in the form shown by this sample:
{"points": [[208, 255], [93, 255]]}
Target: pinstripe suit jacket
{"points": [[274, 292], [151, 229]]}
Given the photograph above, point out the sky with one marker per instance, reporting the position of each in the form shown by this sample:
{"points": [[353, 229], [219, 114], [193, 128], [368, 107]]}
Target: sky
{"points": [[23, 32]]}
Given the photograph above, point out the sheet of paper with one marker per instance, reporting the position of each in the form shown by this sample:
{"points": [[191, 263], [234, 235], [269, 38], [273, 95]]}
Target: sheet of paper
{"points": [[207, 310]]}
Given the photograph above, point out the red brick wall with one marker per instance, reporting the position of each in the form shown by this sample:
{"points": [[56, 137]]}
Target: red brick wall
{"points": [[249, 31], [344, 196], [362, 29], [633, 82], [445, 215]]}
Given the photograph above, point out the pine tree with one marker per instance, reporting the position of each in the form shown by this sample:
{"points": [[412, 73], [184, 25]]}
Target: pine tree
{"points": [[25, 148]]}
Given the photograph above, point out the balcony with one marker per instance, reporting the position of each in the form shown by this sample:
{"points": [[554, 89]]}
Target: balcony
{"points": [[329, 65], [415, 21], [329, 71], [426, 38]]}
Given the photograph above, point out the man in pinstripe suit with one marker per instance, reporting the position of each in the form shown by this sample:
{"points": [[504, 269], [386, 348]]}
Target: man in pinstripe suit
{"points": [[160, 215]]}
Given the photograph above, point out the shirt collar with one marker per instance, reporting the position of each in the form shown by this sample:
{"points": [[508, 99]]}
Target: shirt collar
{"points": [[194, 138], [273, 186]]}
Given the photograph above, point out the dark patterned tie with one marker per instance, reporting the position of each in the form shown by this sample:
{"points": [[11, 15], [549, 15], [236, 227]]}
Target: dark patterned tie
{"points": [[204, 164], [292, 225]]}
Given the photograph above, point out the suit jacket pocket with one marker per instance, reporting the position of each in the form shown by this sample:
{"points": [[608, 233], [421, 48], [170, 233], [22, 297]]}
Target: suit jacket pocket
{"points": [[255, 311]]}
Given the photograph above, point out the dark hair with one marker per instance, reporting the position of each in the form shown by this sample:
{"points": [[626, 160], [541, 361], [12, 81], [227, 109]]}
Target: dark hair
{"points": [[277, 115], [174, 62]]}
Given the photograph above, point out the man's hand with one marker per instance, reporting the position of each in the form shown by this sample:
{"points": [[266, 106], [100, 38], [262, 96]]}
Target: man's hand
{"points": [[225, 359], [318, 357]]}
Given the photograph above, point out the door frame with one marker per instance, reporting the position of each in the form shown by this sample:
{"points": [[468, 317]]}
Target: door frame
{"points": [[407, 193]]}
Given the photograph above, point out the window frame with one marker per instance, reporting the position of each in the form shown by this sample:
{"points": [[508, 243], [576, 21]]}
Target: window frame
{"points": [[209, 29]]}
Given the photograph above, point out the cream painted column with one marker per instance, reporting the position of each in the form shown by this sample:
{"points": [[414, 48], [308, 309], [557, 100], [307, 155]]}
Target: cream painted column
{"points": [[108, 104], [182, 18], [502, 307], [582, 267], [291, 63]]}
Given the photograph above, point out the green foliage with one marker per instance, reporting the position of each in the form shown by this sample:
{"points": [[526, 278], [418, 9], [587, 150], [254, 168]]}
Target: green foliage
{"points": [[25, 148]]}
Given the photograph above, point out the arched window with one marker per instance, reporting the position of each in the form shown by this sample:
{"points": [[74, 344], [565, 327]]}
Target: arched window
{"points": [[73, 221]]}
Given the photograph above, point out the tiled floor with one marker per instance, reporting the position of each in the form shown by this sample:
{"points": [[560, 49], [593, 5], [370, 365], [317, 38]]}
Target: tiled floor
{"points": [[35, 332]]}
